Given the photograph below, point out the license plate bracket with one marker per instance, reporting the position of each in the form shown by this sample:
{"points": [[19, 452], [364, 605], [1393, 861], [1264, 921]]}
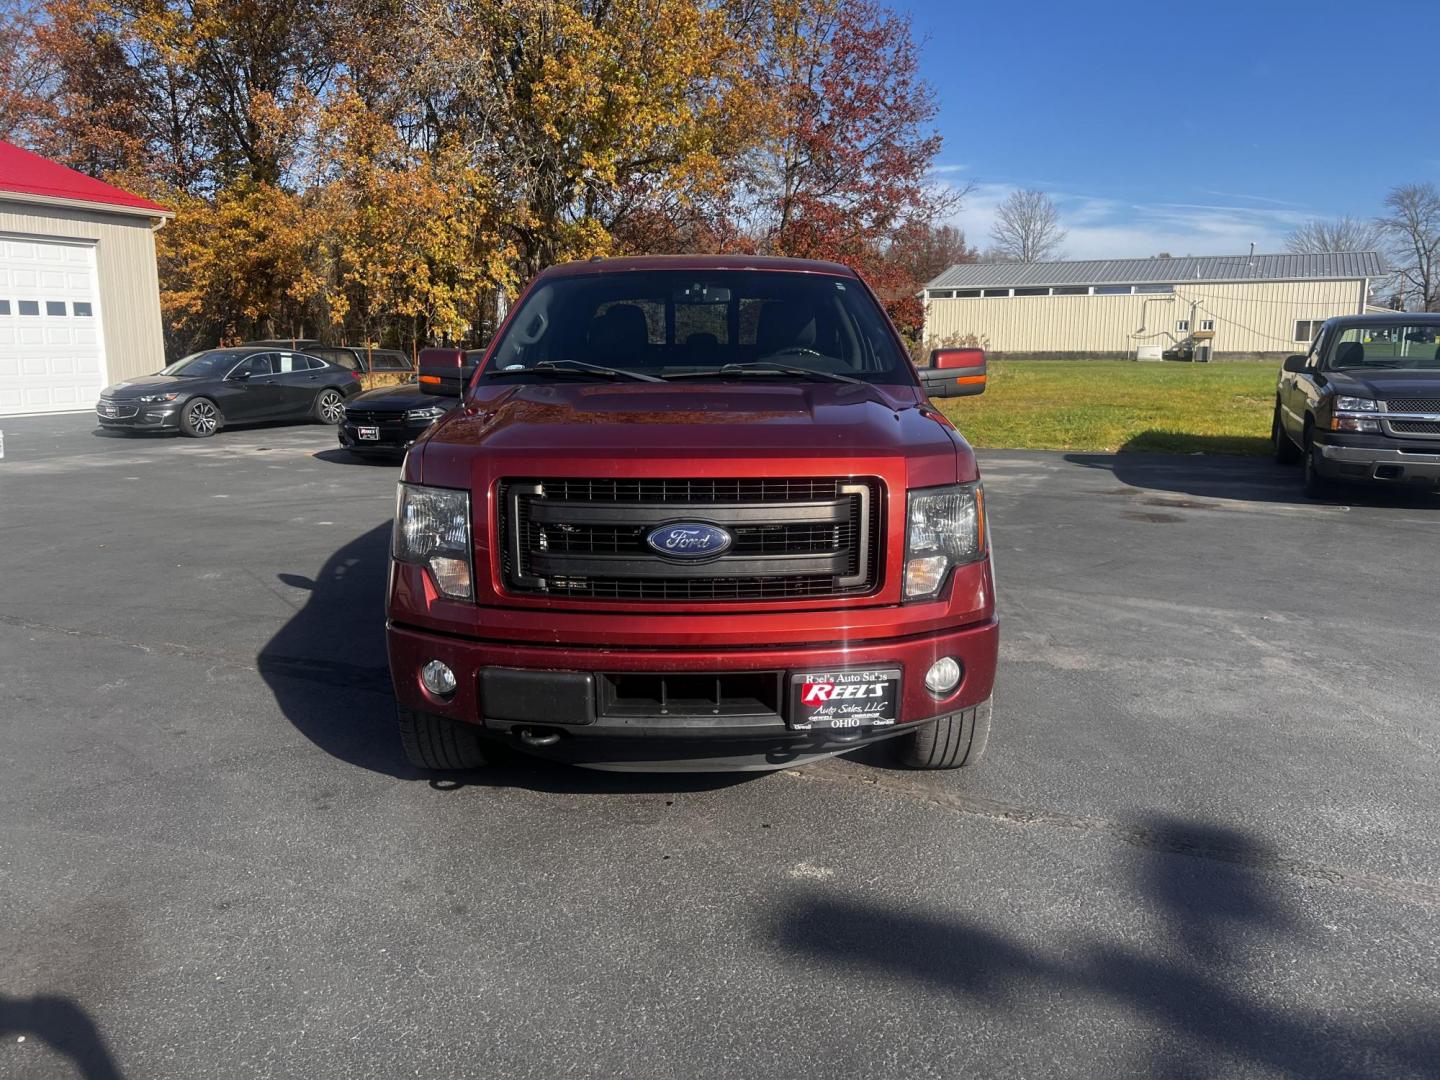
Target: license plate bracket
{"points": [[369, 434], [844, 699]]}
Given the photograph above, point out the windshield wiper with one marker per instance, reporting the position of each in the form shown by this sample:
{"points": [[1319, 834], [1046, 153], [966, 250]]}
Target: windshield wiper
{"points": [[575, 367], [762, 367]]}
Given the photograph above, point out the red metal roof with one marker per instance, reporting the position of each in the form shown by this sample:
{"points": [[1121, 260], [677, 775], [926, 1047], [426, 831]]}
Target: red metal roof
{"points": [[25, 173]]}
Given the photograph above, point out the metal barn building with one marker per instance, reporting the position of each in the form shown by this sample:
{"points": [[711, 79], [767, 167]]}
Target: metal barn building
{"points": [[1221, 307], [79, 295]]}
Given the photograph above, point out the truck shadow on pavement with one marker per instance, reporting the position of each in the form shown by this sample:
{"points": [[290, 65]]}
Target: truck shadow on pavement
{"points": [[63, 1026], [329, 673], [1198, 983], [1251, 479]]}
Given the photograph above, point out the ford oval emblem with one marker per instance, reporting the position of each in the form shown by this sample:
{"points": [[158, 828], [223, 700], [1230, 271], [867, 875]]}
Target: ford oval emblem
{"points": [[689, 540]]}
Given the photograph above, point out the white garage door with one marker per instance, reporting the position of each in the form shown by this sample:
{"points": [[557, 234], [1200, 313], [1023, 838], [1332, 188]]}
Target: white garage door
{"points": [[51, 352]]}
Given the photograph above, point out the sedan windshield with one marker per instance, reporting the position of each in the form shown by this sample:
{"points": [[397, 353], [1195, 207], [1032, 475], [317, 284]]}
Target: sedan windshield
{"points": [[1414, 348], [700, 324], [202, 364]]}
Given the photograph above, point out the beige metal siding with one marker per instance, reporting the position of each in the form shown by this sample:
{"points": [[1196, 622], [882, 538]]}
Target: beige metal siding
{"points": [[1255, 317], [126, 276]]}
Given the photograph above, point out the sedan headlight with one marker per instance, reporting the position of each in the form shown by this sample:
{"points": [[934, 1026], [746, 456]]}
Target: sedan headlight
{"points": [[152, 398], [945, 528], [1357, 404], [432, 529], [430, 412]]}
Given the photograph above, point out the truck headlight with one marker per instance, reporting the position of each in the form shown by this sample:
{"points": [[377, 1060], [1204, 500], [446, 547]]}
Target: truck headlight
{"points": [[945, 528], [432, 529], [1344, 418]]}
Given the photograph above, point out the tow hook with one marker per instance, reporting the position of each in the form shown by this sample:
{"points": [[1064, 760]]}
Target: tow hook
{"points": [[531, 737]]}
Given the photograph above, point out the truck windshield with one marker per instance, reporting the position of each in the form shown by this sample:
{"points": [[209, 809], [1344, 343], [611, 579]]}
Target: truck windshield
{"points": [[701, 324], [1414, 347]]}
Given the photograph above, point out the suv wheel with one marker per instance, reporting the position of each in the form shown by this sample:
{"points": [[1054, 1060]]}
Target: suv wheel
{"points": [[1316, 485], [329, 407], [1283, 447], [433, 742], [950, 742], [200, 418]]}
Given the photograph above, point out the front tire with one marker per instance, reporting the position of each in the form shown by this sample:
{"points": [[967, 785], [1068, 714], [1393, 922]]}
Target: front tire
{"points": [[200, 418], [329, 407], [1317, 486], [951, 742], [434, 742], [1283, 447]]}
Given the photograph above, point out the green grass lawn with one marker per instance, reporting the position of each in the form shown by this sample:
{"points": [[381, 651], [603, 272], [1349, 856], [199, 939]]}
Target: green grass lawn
{"points": [[1172, 408]]}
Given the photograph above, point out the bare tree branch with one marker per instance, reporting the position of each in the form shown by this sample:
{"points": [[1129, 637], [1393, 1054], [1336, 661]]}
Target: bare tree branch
{"points": [[1027, 228]]}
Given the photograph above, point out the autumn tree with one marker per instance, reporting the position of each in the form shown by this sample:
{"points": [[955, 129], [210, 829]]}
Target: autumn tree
{"points": [[924, 251], [845, 166]]}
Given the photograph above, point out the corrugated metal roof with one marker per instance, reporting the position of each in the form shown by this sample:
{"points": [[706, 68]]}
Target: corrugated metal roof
{"points": [[24, 173], [1327, 267]]}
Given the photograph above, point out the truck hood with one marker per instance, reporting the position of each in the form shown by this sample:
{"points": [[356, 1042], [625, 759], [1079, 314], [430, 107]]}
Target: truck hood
{"points": [[727, 420], [1385, 384]]}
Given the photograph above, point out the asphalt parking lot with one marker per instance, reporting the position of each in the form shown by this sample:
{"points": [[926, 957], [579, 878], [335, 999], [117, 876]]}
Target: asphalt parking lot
{"points": [[1205, 843]]}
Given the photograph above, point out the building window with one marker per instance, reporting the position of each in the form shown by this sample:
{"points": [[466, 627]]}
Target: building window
{"points": [[54, 307], [1032, 292], [1072, 290], [29, 307], [995, 292], [4, 307], [1112, 290], [1308, 330], [1183, 326], [83, 309], [966, 293], [942, 294], [1207, 324], [1154, 288]]}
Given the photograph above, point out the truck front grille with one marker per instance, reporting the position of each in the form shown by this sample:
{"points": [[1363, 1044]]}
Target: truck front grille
{"points": [[1413, 405], [792, 538], [1415, 427]]}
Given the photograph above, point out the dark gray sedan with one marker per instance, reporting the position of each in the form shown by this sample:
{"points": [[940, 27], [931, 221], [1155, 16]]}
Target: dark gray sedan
{"points": [[203, 392]]}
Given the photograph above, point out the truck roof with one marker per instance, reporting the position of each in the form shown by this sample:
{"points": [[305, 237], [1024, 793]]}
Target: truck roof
{"points": [[699, 262], [1397, 318]]}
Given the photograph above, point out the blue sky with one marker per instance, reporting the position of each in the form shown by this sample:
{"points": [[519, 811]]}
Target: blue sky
{"points": [[1193, 128]]}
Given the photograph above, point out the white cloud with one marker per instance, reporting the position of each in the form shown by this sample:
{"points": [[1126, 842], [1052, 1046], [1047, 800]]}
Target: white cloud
{"points": [[1105, 228]]}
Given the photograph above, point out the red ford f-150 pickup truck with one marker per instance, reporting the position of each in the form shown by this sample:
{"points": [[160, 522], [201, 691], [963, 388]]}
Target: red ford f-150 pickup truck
{"points": [[694, 513]]}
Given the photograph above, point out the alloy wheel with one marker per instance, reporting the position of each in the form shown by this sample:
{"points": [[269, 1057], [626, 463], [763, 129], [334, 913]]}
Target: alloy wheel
{"points": [[332, 409], [203, 418]]}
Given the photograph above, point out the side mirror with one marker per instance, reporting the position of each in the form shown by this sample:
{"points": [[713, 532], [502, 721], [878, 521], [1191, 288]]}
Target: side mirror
{"points": [[446, 372], [237, 376], [1295, 364], [954, 373]]}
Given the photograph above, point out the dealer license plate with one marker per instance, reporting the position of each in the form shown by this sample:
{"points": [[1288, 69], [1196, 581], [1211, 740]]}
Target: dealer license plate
{"points": [[848, 698], [370, 433]]}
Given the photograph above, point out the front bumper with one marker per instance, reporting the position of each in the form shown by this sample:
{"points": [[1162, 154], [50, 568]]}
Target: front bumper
{"points": [[1384, 460], [143, 417], [582, 736], [395, 435]]}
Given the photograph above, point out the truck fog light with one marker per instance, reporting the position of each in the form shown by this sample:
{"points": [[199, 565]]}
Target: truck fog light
{"points": [[437, 677], [943, 676]]}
